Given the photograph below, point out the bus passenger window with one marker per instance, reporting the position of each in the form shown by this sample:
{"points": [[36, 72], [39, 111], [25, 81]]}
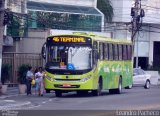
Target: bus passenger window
{"points": [[110, 52], [106, 51], [101, 51], [129, 52], [124, 52], [95, 53], [116, 52], [120, 51]]}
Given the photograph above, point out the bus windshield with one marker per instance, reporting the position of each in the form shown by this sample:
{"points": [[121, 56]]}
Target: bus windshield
{"points": [[69, 57]]}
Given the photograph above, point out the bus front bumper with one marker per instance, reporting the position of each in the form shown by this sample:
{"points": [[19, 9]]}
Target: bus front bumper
{"points": [[66, 85]]}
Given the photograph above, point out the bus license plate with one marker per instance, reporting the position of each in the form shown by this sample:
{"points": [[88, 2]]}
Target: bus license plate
{"points": [[66, 85]]}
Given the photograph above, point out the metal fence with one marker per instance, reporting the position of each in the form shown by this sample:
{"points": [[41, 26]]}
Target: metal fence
{"points": [[17, 59]]}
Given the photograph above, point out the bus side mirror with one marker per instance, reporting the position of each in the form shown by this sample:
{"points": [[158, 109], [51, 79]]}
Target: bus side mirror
{"points": [[43, 51]]}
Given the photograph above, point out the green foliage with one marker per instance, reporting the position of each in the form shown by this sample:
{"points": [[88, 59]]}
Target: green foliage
{"points": [[16, 26], [106, 8], [6, 73], [65, 21], [22, 71]]}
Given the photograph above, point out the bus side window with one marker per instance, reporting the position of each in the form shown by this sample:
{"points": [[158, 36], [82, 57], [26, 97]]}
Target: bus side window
{"points": [[129, 52], [95, 53], [115, 52], [101, 51], [124, 56], [106, 51], [127, 55], [110, 52], [120, 51]]}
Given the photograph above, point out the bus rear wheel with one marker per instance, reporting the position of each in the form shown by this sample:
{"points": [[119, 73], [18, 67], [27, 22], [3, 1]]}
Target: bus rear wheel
{"points": [[58, 93], [98, 92], [118, 90]]}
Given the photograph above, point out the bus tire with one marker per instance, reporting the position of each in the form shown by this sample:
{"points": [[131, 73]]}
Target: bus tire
{"points": [[118, 90], [48, 91], [58, 93], [98, 92]]}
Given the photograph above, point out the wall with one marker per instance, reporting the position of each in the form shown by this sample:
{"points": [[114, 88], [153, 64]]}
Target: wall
{"points": [[121, 10], [17, 5], [143, 43], [30, 45], [38, 33], [152, 11], [90, 3], [153, 37]]}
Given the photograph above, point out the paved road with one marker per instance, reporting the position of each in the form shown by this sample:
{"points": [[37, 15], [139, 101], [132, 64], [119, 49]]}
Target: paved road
{"points": [[136, 98]]}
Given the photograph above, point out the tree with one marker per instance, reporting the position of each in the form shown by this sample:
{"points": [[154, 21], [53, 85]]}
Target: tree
{"points": [[106, 8]]}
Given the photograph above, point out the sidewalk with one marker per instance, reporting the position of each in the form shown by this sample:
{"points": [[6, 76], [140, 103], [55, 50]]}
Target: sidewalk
{"points": [[6, 103], [11, 91]]}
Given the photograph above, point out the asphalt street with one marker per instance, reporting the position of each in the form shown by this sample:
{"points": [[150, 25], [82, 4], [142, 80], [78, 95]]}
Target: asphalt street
{"points": [[136, 98]]}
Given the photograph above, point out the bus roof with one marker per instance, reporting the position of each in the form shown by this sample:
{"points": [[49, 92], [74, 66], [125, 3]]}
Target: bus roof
{"points": [[99, 38]]}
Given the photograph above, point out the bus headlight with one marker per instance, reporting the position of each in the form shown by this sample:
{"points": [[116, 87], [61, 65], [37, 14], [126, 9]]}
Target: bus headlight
{"points": [[50, 78], [85, 79]]}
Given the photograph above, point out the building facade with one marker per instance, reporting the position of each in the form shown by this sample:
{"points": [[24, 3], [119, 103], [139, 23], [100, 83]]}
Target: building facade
{"points": [[148, 37], [43, 15], [66, 15]]}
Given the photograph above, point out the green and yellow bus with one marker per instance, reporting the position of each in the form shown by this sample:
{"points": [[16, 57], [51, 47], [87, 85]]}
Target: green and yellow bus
{"points": [[85, 62]]}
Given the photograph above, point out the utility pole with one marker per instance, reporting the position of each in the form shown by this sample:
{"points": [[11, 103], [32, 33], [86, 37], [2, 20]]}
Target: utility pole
{"points": [[2, 2], [135, 20]]}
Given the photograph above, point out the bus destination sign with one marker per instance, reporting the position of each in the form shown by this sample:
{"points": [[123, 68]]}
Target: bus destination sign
{"points": [[69, 39]]}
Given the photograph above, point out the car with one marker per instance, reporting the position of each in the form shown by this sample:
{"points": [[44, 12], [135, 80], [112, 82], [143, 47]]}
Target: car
{"points": [[140, 77]]}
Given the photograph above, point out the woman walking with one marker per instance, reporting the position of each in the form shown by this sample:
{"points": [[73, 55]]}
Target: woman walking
{"points": [[40, 76]]}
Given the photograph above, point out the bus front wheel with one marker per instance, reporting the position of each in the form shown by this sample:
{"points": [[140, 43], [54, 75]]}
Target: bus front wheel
{"points": [[58, 93], [99, 89]]}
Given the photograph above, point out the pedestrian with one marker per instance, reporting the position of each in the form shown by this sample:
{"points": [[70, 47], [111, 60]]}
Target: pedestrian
{"points": [[36, 86], [29, 77], [40, 76]]}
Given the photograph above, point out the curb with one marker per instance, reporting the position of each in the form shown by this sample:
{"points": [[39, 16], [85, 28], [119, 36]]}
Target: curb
{"points": [[8, 96]]}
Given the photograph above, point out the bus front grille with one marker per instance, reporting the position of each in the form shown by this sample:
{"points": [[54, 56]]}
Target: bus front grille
{"points": [[61, 86], [67, 80]]}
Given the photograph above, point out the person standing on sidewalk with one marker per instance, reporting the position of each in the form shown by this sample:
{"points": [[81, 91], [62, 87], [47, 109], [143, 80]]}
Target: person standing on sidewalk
{"points": [[29, 77], [40, 76]]}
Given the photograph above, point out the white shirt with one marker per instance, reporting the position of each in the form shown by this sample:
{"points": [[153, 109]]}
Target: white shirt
{"points": [[39, 75], [29, 75]]}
